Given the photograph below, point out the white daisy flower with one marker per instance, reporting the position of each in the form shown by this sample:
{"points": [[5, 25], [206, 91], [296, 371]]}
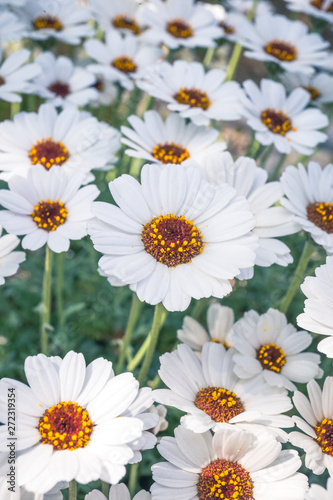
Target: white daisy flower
{"points": [[107, 92], [10, 27], [315, 8], [233, 462], [59, 19], [118, 492], [283, 120], [245, 6], [173, 141], [270, 347], [47, 207], [174, 236], [96, 444], [318, 307], [15, 76], [180, 24], [319, 86], [275, 38], [161, 412], [211, 393], [193, 93], [230, 23], [9, 260], [309, 196], [121, 15], [220, 320], [317, 426], [317, 491], [74, 140], [61, 83], [272, 221], [121, 58]]}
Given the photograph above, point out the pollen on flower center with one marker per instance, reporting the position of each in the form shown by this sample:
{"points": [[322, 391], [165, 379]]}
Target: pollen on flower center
{"points": [[271, 357], [172, 240], [46, 21], [170, 153], [49, 214], [124, 22], [319, 4], [220, 404], [217, 341], [48, 153], [179, 28], [60, 88], [193, 97], [313, 91], [321, 214], [2, 81], [227, 28], [277, 121], [283, 51], [224, 480], [124, 64], [324, 432], [66, 426]]}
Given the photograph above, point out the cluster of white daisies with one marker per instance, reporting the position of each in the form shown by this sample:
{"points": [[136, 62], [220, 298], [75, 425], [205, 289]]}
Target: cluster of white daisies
{"points": [[191, 223]]}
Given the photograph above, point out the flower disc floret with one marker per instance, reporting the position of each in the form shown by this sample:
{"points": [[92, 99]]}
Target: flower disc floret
{"points": [[220, 404], [277, 121], [172, 240], [124, 22], [170, 153], [324, 432], [124, 64], [48, 153], [47, 22], [59, 88], [179, 28], [271, 357], [193, 98], [319, 4], [66, 426], [321, 214], [283, 51], [229, 29], [49, 214], [225, 480], [313, 91]]}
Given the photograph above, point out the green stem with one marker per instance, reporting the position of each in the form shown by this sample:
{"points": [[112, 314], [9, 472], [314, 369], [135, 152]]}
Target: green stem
{"points": [[59, 290], [46, 300], [139, 355], [72, 490], [266, 155], [276, 171], [298, 276], [14, 108], [160, 315], [133, 317], [105, 489], [133, 477], [208, 56]]}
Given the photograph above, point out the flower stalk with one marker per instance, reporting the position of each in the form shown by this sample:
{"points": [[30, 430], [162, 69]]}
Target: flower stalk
{"points": [[46, 300], [72, 490], [136, 306]]}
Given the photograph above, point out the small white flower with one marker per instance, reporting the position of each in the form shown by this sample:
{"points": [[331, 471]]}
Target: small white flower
{"points": [[92, 400], [275, 38], [245, 6], [270, 347], [272, 221], [61, 83], [121, 58], [180, 24], [309, 196], [59, 19], [9, 260], [230, 23], [283, 120], [193, 93], [318, 307], [74, 140], [317, 491], [47, 207], [315, 8], [202, 466], [173, 141], [317, 426], [220, 320], [319, 86], [211, 393], [118, 492], [173, 237], [121, 15], [162, 423], [15, 76], [107, 91]]}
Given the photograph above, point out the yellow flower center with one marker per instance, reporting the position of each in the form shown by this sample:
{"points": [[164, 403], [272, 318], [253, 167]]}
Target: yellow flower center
{"points": [[283, 51], [224, 480], [47, 22], [172, 240], [66, 426], [227, 28], [319, 4], [48, 153], [49, 214], [124, 64], [124, 22], [314, 92], [321, 214], [324, 432], [220, 404], [170, 153], [179, 28], [277, 121], [271, 357], [192, 97], [217, 341]]}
